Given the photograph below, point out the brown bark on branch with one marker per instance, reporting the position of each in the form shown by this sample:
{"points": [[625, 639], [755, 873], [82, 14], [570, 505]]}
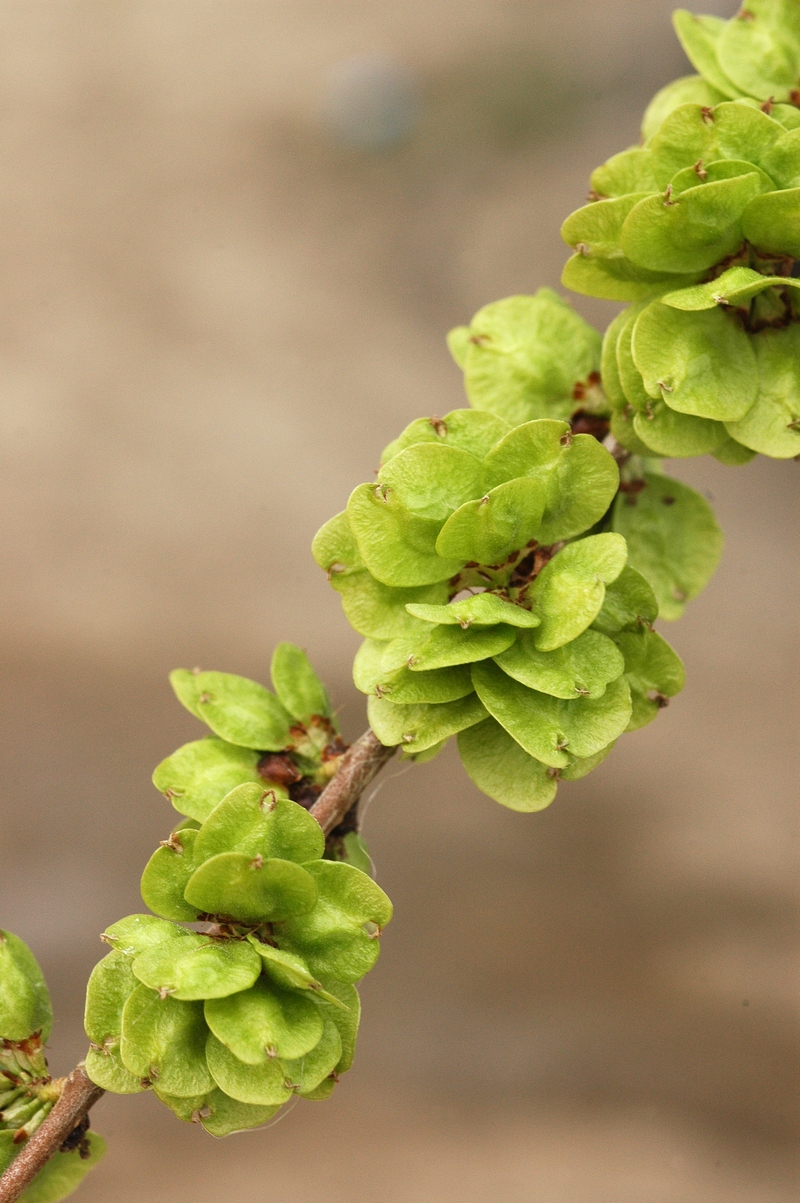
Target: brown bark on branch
{"points": [[363, 761], [77, 1096]]}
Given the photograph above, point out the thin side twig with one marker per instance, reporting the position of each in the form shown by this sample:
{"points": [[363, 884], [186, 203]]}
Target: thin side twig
{"points": [[363, 761], [78, 1095]]}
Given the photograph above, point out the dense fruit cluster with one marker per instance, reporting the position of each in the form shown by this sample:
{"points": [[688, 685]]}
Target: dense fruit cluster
{"points": [[497, 601], [229, 1022], [700, 228], [27, 1092]]}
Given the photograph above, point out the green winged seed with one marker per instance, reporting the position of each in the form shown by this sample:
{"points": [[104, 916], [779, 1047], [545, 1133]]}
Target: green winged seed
{"points": [[690, 89], [163, 1040], [379, 611], [289, 971], [712, 173], [308, 1072], [733, 454], [429, 481], [735, 288], [298, 687], [262, 822], [629, 375], [251, 889], [771, 223], [654, 670], [450, 645], [581, 766], [458, 346], [265, 1022], [335, 548], [343, 1007], [692, 134], [698, 363], [673, 540], [596, 229], [64, 1172], [547, 727], [166, 876], [623, 431], [198, 967], [488, 528], [579, 475], [568, 593], [25, 1005], [110, 985], [200, 774], [106, 1070], [582, 668], [524, 356], [503, 770], [759, 49], [417, 728], [618, 279], [227, 1115], [699, 37], [692, 230], [612, 382], [262, 1085], [472, 430], [772, 426], [242, 712], [403, 686], [184, 685], [332, 939], [625, 173], [481, 610], [397, 547], [134, 933], [667, 432], [782, 160]]}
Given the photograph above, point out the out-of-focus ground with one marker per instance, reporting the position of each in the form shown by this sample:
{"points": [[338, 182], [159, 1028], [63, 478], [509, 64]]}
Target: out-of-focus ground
{"points": [[213, 314]]}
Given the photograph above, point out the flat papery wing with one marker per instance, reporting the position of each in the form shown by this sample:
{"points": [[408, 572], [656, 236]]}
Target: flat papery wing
{"points": [[629, 604], [502, 769], [759, 49], [166, 876], [580, 489], [612, 383], [398, 547], [691, 230], [332, 939], [568, 593], [700, 38], [307, 1072], [733, 454], [201, 773], [250, 889], [712, 173], [690, 89], [450, 645], [185, 689], [548, 728], [417, 728], [260, 1085], [163, 1040], [472, 430], [481, 610], [621, 427], [335, 548], [402, 685], [134, 933], [581, 766], [298, 687], [265, 1022], [243, 712], [673, 539], [65, 1171], [488, 528], [581, 668], [596, 229], [379, 611], [618, 279], [771, 222], [694, 135], [221, 1115], [735, 287], [262, 822], [342, 1005], [630, 378], [290, 971], [772, 426], [628, 172], [25, 1005], [525, 355], [698, 363], [110, 986], [669, 433], [198, 967], [782, 161], [654, 671], [429, 480]]}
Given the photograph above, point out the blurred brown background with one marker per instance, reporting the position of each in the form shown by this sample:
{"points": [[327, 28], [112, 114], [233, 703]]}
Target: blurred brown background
{"points": [[215, 309]]}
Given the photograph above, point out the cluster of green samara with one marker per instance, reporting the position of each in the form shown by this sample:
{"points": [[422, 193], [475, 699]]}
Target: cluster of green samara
{"points": [[699, 227], [486, 570], [27, 1092], [227, 1023]]}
